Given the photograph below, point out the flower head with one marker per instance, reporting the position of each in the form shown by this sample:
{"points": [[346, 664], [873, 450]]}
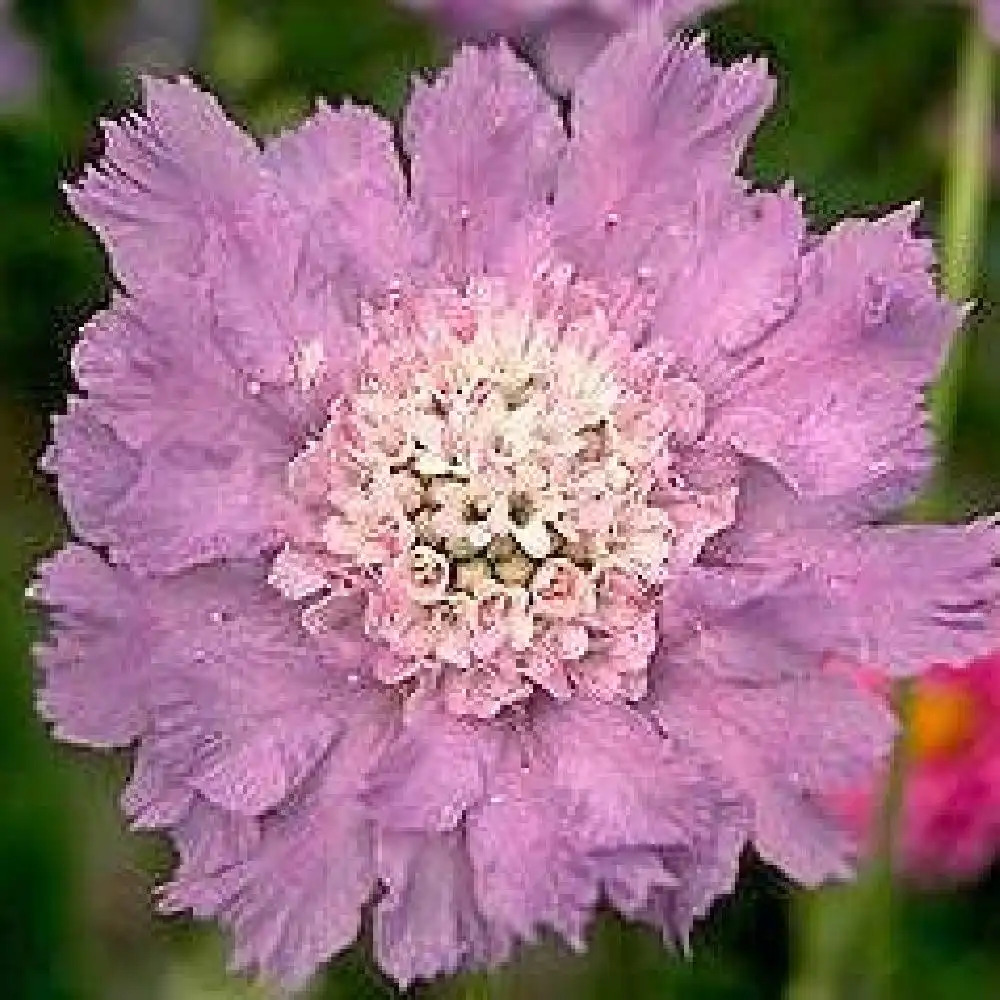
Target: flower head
{"points": [[950, 820], [565, 35], [466, 543], [501, 475]]}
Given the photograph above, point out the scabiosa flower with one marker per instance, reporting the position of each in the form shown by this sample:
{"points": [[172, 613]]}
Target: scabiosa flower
{"points": [[465, 542], [949, 826], [564, 35]]}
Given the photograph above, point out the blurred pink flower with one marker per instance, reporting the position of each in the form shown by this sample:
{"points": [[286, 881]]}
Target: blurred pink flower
{"points": [[950, 824], [564, 35], [159, 37], [151, 37], [989, 11], [18, 60]]}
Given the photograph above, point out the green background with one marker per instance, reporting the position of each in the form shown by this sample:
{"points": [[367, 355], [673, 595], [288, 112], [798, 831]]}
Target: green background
{"points": [[862, 124]]}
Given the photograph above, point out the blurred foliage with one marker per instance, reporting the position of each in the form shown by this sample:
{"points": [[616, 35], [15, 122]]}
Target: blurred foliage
{"points": [[934, 945], [862, 124]]}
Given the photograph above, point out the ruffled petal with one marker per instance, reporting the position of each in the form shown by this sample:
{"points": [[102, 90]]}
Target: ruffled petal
{"points": [[835, 397], [166, 409], [801, 584], [703, 872], [798, 577], [92, 662], [165, 177], [341, 170], [151, 366], [631, 878], [738, 280], [209, 840], [784, 744], [433, 773], [772, 519], [181, 191], [528, 871], [175, 503], [235, 702], [297, 900], [96, 470], [675, 128], [249, 701], [627, 786], [427, 924], [899, 596], [251, 773], [158, 795], [598, 801], [484, 140]]}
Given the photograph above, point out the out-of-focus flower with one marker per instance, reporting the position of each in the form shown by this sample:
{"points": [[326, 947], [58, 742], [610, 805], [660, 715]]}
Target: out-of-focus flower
{"points": [[466, 542], [949, 826], [18, 61], [989, 11], [563, 35], [153, 37], [158, 37]]}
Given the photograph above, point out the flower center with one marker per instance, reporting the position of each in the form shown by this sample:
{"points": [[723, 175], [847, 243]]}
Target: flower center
{"points": [[490, 488], [942, 721]]}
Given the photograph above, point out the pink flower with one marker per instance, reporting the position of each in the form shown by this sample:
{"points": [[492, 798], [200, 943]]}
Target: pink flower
{"points": [[19, 61], [459, 540], [950, 820], [989, 12], [563, 35]]}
